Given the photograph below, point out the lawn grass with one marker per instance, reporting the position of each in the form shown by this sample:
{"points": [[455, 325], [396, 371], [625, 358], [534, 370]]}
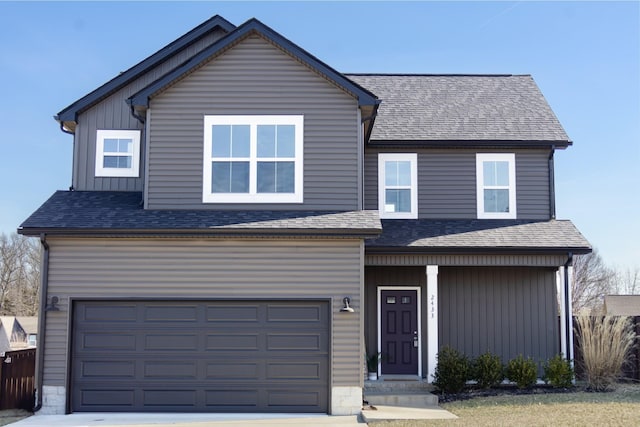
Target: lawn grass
{"points": [[617, 408]]}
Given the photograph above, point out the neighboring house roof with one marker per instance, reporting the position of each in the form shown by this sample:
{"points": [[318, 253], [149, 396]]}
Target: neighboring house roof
{"points": [[622, 305], [71, 112], [422, 235], [113, 212], [28, 323], [463, 109], [364, 96]]}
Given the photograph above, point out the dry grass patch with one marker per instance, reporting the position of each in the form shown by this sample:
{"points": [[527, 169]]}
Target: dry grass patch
{"points": [[8, 416], [618, 408]]}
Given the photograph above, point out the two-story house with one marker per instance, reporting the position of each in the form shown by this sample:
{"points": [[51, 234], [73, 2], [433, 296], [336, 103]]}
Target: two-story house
{"points": [[246, 222]]}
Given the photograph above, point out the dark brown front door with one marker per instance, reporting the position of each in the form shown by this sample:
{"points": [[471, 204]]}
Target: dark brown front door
{"points": [[399, 334]]}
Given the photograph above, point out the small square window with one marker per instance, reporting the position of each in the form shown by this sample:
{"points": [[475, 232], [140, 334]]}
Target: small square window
{"points": [[405, 300], [117, 153], [391, 300]]}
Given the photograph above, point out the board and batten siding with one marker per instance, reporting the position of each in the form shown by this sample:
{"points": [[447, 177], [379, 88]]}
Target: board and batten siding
{"points": [[113, 113], [253, 78], [184, 269], [447, 183], [507, 311]]}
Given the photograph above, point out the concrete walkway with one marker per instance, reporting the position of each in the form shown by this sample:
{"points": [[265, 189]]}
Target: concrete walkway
{"points": [[369, 416], [185, 420], [385, 413]]}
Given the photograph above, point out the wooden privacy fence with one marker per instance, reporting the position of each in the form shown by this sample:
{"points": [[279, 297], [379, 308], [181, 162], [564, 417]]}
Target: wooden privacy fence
{"points": [[631, 369], [17, 379]]}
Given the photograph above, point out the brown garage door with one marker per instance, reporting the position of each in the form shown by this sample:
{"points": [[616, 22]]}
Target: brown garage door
{"points": [[195, 356]]}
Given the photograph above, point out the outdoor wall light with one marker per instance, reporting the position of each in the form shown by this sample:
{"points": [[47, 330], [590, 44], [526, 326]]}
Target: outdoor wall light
{"points": [[347, 307], [52, 305]]}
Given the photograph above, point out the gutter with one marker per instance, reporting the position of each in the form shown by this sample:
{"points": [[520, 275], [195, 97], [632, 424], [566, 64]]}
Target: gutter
{"points": [[552, 185], [44, 284]]}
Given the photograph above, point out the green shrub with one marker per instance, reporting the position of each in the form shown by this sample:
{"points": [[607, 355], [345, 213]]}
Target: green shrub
{"points": [[452, 371], [523, 372], [487, 370], [558, 372], [605, 343]]}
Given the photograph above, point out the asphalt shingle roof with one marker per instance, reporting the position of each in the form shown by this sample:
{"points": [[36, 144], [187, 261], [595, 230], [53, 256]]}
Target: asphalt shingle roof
{"points": [[421, 234], [461, 108], [117, 212]]}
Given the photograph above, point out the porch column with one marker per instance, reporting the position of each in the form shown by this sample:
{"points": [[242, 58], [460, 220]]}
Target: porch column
{"points": [[432, 320], [569, 282], [564, 279]]}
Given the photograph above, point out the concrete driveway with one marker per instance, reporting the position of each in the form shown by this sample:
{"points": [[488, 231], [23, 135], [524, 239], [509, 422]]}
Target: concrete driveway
{"points": [[185, 420]]}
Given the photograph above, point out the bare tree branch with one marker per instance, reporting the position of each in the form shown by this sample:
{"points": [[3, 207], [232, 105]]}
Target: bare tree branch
{"points": [[592, 281]]}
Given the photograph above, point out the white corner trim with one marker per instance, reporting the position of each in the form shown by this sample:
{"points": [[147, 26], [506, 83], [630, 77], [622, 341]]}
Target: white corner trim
{"points": [[419, 314]]}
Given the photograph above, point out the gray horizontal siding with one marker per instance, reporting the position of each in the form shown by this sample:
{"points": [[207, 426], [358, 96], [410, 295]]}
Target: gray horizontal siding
{"points": [[208, 269], [466, 260], [507, 311], [114, 113], [447, 183], [253, 78]]}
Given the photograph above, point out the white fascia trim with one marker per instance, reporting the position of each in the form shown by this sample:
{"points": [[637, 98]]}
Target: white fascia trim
{"points": [[413, 159], [496, 157], [253, 196], [134, 170]]}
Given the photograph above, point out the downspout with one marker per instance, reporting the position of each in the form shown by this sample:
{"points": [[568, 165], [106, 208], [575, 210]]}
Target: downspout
{"points": [[136, 115], [567, 308], [552, 185], [44, 284], [73, 152]]}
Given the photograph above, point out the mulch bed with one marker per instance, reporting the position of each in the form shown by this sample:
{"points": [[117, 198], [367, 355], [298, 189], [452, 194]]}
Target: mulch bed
{"points": [[502, 390]]}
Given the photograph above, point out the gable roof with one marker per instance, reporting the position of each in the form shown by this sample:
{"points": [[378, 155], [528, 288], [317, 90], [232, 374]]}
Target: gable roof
{"points": [[364, 96], [622, 305], [459, 110], [28, 323], [444, 236], [120, 212], [71, 112]]}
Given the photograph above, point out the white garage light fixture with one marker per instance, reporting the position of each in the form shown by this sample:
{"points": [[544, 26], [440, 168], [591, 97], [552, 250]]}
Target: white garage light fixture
{"points": [[347, 307]]}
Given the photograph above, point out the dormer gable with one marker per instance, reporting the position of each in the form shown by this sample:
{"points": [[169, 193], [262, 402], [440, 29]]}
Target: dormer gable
{"points": [[140, 100], [68, 117]]}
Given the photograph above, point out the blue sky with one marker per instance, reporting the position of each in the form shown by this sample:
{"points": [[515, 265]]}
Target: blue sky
{"points": [[585, 56]]}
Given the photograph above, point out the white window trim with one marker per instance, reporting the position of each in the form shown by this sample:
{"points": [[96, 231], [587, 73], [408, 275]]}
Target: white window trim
{"points": [[253, 196], [480, 187], [134, 170], [413, 159]]}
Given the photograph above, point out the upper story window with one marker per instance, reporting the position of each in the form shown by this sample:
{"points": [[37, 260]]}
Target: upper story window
{"points": [[31, 340], [118, 153], [253, 159], [398, 185], [496, 185]]}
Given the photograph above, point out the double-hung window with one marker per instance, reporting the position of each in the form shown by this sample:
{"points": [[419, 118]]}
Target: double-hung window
{"points": [[496, 185], [398, 185], [117, 153], [253, 159]]}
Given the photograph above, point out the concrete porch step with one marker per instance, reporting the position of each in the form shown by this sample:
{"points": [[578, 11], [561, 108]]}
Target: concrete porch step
{"points": [[411, 399], [418, 385]]}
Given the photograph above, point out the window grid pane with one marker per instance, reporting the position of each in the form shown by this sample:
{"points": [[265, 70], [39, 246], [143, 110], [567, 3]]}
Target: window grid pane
{"points": [[230, 177], [496, 200], [397, 200]]}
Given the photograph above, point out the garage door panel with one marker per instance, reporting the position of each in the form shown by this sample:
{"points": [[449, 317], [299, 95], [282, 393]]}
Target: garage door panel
{"points": [[169, 313], [233, 342], [239, 361], [118, 313], [233, 313]]}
